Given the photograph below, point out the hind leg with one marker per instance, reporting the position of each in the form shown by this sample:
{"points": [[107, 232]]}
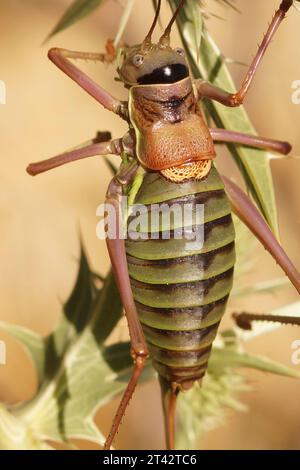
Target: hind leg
{"points": [[244, 319], [117, 253], [208, 90]]}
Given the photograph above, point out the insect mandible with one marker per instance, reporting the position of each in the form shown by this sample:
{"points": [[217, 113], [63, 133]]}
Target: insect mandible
{"points": [[173, 298]]}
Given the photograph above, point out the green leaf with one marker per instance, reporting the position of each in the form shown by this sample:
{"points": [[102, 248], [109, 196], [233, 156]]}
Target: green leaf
{"points": [[47, 353], [89, 378], [76, 11], [14, 434], [204, 408], [32, 342], [76, 315], [192, 26], [107, 310], [85, 373], [110, 165], [261, 287], [244, 261], [222, 358], [124, 20], [211, 66]]}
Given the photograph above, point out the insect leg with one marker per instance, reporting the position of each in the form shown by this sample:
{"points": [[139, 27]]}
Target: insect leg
{"points": [[222, 135], [169, 396], [96, 147], [67, 157], [211, 91], [250, 215], [244, 319], [61, 58], [116, 249]]}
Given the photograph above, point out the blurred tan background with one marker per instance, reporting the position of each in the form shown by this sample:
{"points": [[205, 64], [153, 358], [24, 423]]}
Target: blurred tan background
{"points": [[39, 218]]}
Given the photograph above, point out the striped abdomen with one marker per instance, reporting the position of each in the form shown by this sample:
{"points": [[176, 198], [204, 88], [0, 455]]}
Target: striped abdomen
{"points": [[181, 290]]}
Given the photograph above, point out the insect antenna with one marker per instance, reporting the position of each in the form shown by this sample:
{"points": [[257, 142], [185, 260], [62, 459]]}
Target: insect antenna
{"points": [[165, 39], [147, 40]]}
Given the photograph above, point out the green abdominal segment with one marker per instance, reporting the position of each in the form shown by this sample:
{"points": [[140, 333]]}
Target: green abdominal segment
{"points": [[180, 285]]}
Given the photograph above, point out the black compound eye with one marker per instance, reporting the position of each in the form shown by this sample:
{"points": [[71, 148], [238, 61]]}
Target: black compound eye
{"points": [[171, 73]]}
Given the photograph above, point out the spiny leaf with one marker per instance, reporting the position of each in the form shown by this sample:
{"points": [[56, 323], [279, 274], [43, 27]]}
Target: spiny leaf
{"points": [[32, 342], [86, 381], [222, 358], [89, 378], [65, 408], [228, 353], [85, 374], [77, 307], [46, 353], [107, 310], [76, 11], [14, 434], [76, 315], [203, 409]]}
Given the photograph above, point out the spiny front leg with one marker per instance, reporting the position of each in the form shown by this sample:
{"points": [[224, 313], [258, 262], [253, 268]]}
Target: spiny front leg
{"points": [[117, 253], [208, 90], [61, 58]]}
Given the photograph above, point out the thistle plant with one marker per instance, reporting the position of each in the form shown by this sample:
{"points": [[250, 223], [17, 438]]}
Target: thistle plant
{"points": [[78, 373]]}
